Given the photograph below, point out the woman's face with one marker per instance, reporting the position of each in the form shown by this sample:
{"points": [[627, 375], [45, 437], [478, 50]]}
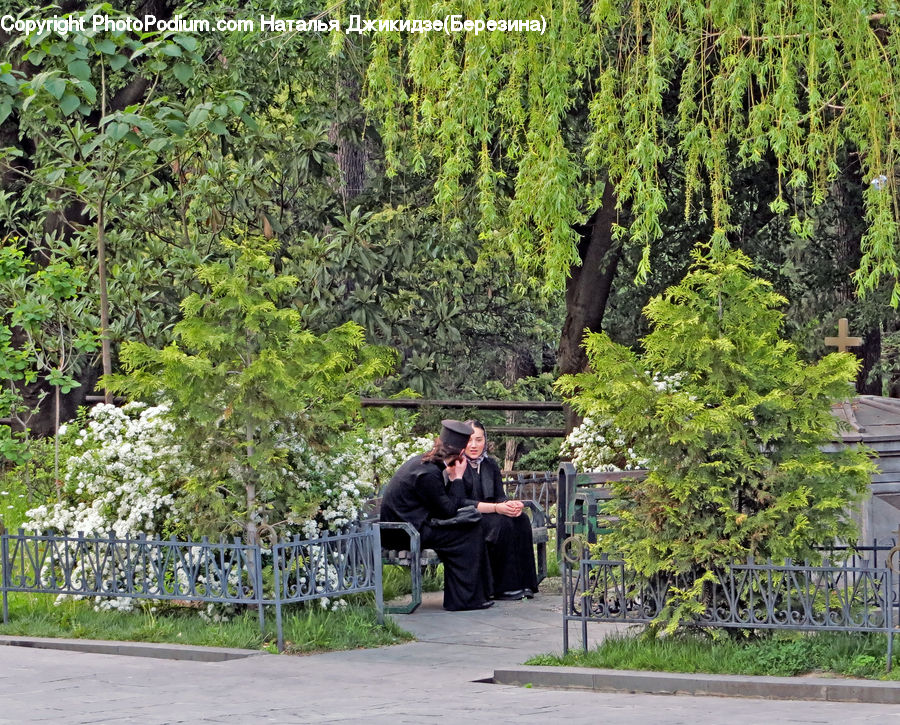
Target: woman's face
{"points": [[475, 446]]}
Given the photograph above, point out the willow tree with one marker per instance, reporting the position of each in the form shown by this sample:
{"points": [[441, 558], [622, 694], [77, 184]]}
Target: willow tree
{"points": [[565, 136]]}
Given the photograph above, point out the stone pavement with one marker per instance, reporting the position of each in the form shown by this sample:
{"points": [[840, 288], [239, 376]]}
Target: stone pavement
{"points": [[435, 679]]}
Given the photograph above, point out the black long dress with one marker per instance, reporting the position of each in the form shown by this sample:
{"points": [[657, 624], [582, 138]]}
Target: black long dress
{"points": [[509, 541], [416, 494]]}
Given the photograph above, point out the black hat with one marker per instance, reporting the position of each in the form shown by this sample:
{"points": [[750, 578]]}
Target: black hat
{"points": [[455, 433]]}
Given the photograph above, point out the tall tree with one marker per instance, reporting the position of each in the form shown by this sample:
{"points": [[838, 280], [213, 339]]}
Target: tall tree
{"points": [[621, 90]]}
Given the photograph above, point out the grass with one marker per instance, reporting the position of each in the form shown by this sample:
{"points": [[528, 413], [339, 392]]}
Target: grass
{"points": [[396, 581], [310, 629], [831, 653], [13, 502]]}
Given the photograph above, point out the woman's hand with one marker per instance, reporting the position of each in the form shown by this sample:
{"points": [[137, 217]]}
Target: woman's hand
{"points": [[510, 508]]}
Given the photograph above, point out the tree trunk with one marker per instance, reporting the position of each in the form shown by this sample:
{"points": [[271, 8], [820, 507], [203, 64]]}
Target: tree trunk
{"points": [[870, 354], [519, 364], [105, 351], [588, 289], [347, 135]]}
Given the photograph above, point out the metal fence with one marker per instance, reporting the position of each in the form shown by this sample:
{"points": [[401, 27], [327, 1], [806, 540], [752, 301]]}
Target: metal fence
{"points": [[535, 486], [850, 596], [207, 572]]}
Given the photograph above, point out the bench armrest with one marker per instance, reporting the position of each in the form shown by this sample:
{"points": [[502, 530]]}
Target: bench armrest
{"points": [[538, 516]]}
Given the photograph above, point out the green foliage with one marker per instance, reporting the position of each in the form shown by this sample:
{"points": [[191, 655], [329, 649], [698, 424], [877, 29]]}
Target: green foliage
{"points": [[782, 654], [621, 90], [734, 440], [243, 372]]}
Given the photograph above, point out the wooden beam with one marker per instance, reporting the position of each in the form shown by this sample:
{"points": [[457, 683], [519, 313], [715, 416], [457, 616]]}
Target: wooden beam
{"points": [[480, 404], [510, 430]]}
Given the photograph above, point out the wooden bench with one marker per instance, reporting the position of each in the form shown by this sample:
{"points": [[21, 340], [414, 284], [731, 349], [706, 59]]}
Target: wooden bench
{"points": [[416, 559]]}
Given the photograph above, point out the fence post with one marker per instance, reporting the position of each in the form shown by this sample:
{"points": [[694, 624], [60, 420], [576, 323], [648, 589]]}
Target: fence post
{"points": [[258, 586], [889, 615], [375, 541], [564, 571], [4, 571], [278, 585], [566, 479]]}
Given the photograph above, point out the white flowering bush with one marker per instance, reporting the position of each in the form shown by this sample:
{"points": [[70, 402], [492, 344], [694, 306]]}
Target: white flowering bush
{"points": [[124, 478], [324, 492], [597, 445], [377, 454], [129, 475], [335, 483]]}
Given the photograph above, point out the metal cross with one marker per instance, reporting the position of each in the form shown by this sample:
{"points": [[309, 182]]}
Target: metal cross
{"points": [[843, 341]]}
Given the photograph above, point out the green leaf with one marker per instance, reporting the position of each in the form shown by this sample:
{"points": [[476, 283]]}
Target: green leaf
{"points": [[176, 127], [186, 41], [116, 130], [172, 50], [65, 383], [218, 127], [198, 115], [117, 62], [5, 109], [89, 91], [55, 86], [69, 103], [108, 47], [80, 69], [183, 72], [36, 57]]}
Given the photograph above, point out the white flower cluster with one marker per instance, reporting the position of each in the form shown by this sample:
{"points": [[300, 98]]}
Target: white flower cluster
{"points": [[124, 478], [598, 446], [664, 383], [329, 481], [377, 454], [342, 478]]}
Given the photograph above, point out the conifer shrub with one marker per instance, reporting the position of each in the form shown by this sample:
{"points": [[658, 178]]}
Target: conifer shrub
{"points": [[734, 442]]}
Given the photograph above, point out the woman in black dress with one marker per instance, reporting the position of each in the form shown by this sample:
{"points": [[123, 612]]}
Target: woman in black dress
{"points": [[507, 531], [416, 494]]}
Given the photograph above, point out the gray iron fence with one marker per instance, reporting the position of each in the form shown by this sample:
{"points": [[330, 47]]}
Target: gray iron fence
{"points": [[536, 486], [207, 572], [851, 596]]}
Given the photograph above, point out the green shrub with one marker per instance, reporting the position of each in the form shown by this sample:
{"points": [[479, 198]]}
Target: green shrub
{"points": [[732, 425]]}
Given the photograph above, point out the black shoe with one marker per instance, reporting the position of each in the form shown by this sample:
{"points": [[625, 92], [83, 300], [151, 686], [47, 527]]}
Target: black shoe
{"points": [[483, 605], [528, 594], [511, 596]]}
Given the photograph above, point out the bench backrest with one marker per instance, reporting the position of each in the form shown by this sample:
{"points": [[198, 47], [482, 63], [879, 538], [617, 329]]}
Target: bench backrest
{"points": [[580, 498]]}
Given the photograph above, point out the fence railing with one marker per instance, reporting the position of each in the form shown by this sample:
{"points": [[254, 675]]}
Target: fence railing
{"points": [[539, 486], [850, 596], [204, 571]]}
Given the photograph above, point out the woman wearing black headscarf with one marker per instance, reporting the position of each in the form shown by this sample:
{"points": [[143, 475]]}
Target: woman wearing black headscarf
{"points": [[416, 494], [507, 531]]}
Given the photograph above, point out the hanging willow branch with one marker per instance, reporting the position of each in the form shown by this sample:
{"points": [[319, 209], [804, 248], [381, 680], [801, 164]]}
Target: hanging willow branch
{"points": [[625, 88]]}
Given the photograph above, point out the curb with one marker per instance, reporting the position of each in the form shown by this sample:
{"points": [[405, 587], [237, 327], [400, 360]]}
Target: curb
{"points": [[697, 683], [133, 649]]}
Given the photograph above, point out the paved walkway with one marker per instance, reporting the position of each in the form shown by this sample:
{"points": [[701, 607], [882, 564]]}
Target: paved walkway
{"points": [[435, 679]]}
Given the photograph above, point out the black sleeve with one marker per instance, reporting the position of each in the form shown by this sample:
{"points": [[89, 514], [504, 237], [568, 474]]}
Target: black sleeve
{"points": [[458, 492], [434, 496]]}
